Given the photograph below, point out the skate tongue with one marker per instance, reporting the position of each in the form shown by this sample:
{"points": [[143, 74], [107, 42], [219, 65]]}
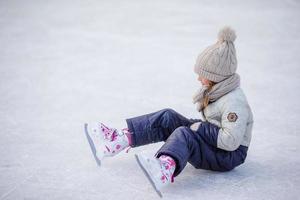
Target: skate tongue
{"points": [[109, 133]]}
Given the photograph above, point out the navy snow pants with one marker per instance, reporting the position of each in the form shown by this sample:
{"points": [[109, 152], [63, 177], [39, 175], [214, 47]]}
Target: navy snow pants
{"points": [[199, 148]]}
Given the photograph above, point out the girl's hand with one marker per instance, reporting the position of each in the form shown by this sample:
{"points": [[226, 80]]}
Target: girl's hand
{"points": [[195, 126]]}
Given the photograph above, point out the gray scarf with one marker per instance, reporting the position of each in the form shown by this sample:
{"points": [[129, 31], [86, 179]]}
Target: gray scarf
{"points": [[217, 91]]}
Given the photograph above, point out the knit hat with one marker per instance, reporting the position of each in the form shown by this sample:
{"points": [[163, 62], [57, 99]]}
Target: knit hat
{"points": [[218, 61]]}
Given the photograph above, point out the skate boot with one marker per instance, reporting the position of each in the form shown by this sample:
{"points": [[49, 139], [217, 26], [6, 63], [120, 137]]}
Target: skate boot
{"points": [[105, 141], [159, 171]]}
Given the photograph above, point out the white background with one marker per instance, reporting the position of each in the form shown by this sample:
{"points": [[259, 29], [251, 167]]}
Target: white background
{"points": [[63, 63]]}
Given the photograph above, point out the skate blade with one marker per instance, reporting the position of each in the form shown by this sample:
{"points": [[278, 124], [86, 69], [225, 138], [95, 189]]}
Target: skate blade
{"points": [[148, 176], [93, 149]]}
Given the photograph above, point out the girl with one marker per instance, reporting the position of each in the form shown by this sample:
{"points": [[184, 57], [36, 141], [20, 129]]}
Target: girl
{"points": [[217, 142]]}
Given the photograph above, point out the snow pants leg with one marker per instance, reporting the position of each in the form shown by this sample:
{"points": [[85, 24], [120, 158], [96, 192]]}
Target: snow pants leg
{"points": [[156, 126], [181, 143]]}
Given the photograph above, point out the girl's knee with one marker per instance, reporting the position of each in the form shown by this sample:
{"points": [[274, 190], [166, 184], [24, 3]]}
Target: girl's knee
{"points": [[169, 114], [169, 111]]}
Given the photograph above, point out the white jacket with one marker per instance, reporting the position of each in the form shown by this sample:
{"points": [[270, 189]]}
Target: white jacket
{"points": [[233, 115]]}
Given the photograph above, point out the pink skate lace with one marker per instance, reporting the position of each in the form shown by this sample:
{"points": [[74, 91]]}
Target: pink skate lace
{"points": [[128, 134]]}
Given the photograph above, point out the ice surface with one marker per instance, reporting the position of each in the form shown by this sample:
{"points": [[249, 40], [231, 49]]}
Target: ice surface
{"points": [[63, 63]]}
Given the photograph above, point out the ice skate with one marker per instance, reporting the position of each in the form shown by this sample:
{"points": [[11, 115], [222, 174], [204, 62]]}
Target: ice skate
{"points": [[158, 173], [105, 141]]}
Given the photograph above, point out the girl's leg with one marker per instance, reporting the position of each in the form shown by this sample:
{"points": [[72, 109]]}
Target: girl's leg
{"points": [[181, 145], [155, 127], [185, 145], [141, 130]]}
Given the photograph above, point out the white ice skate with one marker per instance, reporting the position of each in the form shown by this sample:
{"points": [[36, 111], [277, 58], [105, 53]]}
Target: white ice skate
{"points": [[105, 141], [154, 171]]}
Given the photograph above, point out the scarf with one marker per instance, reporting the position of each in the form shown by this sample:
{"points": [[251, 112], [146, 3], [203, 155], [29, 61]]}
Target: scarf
{"points": [[217, 91]]}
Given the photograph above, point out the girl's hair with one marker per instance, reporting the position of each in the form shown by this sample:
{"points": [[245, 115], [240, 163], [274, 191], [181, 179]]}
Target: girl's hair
{"points": [[206, 97]]}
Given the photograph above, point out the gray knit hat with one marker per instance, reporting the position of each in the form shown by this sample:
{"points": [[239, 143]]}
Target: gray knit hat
{"points": [[218, 61]]}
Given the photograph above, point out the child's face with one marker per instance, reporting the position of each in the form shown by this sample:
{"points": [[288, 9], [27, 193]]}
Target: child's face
{"points": [[204, 81]]}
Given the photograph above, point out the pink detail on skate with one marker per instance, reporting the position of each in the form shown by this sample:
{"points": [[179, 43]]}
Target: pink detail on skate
{"points": [[169, 164], [168, 160], [105, 130], [104, 126], [128, 134], [171, 161], [172, 178], [114, 136], [118, 146], [108, 132]]}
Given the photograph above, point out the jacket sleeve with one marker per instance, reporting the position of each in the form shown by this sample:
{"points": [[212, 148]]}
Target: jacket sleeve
{"points": [[233, 126]]}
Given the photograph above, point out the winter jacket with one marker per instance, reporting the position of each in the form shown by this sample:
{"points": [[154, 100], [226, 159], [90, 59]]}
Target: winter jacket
{"points": [[227, 122]]}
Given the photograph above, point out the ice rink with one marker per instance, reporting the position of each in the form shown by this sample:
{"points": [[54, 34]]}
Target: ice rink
{"points": [[64, 63]]}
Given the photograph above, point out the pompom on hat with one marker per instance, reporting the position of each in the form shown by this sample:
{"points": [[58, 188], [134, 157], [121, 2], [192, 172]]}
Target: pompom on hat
{"points": [[226, 34], [218, 61]]}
